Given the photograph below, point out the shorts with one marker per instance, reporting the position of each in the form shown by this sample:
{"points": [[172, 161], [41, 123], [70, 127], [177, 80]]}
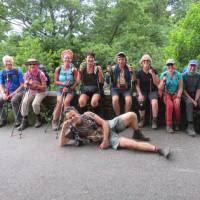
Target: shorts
{"points": [[59, 93], [116, 126], [150, 95], [123, 92]]}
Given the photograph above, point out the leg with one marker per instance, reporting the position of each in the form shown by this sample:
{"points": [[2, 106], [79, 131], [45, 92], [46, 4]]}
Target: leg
{"points": [[24, 110], [168, 112], [95, 100], [142, 107], [143, 146], [130, 120], [36, 107], [16, 104], [154, 107], [128, 103], [115, 103], [2, 112], [37, 102], [57, 112], [83, 99], [177, 111], [68, 99]]}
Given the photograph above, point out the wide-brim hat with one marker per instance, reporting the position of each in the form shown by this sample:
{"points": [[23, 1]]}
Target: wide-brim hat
{"points": [[32, 61], [121, 54]]}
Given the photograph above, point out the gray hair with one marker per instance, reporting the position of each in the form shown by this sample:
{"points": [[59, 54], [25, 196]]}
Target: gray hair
{"points": [[145, 57], [7, 57]]}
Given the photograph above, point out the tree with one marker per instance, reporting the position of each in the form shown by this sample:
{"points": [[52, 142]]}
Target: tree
{"points": [[184, 40]]}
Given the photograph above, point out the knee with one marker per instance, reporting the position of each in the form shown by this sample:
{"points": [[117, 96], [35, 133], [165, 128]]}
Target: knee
{"points": [[132, 115], [82, 102], [128, 101], [115, 100]]}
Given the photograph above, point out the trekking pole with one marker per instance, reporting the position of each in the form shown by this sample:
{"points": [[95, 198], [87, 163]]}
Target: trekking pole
{"points": [[26, 90], [150, 110], [51, 117], [101, 105], [19, 109], [61, 110]]}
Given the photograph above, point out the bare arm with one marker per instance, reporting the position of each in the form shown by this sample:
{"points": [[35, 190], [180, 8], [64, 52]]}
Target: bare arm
{"points": [[197, 96], [63, 140], [77, 80], [180, 89], [100, 75]]}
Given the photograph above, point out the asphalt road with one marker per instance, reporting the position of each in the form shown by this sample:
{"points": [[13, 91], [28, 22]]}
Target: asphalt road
{"points": [[34, 167]]}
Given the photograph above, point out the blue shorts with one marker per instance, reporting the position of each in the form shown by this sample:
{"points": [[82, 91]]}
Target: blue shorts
{"points": [[116, 126]]}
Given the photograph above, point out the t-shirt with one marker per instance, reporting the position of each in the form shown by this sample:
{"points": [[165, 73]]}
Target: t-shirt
{"points": [[11, 79], [191, 83], [171, 84], [89, 129], [37, 79], [146, 81]]}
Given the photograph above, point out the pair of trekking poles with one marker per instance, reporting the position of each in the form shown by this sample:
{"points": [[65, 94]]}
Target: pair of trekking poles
{"points": [[63, 95]]}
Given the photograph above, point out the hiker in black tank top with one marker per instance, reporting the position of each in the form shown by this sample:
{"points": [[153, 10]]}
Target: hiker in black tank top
{"points": [[91, 80]]}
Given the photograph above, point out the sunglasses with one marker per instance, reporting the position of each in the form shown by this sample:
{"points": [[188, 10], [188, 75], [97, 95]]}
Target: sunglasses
{"points": [[170, 64], [192, 65], [33, 64]]}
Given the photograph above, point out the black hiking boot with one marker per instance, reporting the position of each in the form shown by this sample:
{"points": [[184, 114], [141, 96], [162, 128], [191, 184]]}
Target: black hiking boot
{"points": [[24, 124], [137, 134]]}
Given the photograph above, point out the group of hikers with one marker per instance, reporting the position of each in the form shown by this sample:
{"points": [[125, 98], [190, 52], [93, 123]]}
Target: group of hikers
{"points": [[32, 87]]}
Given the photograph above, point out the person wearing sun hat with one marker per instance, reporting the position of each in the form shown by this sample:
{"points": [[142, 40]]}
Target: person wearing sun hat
{"points": [[191, 79], [147, 81], [172, 85], [35, 83]]}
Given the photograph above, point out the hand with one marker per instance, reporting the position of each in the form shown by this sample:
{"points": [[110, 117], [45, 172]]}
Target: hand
{"points": [[65, 89], [151, 71], [140, 98], [195, 103], [104, 144], [5, 97], [178, 101]]}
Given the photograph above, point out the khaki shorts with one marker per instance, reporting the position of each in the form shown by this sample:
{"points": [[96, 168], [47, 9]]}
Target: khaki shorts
{"points": [[116, 126]]}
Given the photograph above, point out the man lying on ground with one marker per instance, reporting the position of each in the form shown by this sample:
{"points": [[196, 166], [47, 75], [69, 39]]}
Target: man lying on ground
{"points": [[97, 130]]}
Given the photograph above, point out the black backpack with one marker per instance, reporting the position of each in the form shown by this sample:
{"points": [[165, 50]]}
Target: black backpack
{"points": [[43, 69]]}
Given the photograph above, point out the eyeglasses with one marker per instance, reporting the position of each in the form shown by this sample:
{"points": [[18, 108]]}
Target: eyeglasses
{"points": [[145, 61], [67, 58], [192, 65]]}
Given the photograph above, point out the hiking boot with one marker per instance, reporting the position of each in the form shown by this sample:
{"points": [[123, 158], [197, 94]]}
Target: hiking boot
{"points": [[139, 136], [17, 123], [54, 124], [169, 129], [38, 122], [190, 130], [177, 128], [164, 152], [3, 123], [24, 124], [154, 123], [142, 122]]}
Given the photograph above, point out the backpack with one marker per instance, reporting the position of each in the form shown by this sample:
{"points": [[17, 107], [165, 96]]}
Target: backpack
{"points": [[47, 76]]}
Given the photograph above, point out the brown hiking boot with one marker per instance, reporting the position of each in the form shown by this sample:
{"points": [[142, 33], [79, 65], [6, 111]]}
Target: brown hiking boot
{"points": [[38, 122], [154, 123]]}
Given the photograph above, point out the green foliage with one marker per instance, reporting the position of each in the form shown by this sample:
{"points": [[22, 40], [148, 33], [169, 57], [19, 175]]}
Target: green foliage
{"points": [[184, 40]]}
